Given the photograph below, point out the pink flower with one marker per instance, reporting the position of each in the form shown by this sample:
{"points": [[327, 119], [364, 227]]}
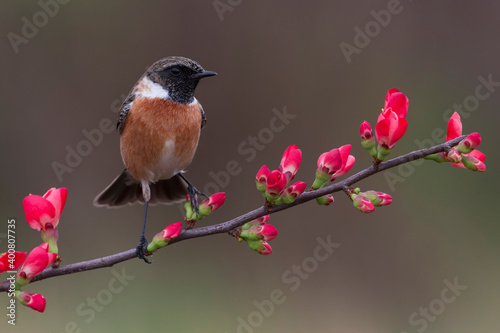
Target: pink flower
{"points": [[266, 232], [214, 201], [454, 129], [261, 178], [329, 162], [265, 249], [171, 231], [378, 199], [347, 162], [35, 301], [470, 143], [363, 204], [262, 220], [333, 164], [454, 156], [44, 212], [257, 233], [389, 129], [162, 238], [325, 200], [10, 261], [290, 162], [38, 259], [365, 131], [391, 124], [474, 159], [367, 138], [206, 207], [276, 183], [293, 191], [397, 101]]}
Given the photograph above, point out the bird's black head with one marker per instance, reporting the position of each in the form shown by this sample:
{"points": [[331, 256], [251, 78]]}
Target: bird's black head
{"points": [[179, 76]]}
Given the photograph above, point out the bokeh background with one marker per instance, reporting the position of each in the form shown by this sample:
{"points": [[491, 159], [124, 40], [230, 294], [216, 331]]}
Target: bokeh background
{"points": [[270, 55]]}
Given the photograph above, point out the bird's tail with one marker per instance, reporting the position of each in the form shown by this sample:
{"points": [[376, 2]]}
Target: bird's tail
{"points": [[126, 190]]}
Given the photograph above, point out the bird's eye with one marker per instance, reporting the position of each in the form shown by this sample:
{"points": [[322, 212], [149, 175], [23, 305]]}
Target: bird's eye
{"points": [[175, 71]]}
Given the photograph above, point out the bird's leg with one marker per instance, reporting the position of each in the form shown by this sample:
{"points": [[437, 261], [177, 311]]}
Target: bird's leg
{"points": [[193, 192], [143, 242]]}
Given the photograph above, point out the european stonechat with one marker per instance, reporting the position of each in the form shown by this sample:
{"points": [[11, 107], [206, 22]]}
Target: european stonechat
{"points": [[159, 125]]}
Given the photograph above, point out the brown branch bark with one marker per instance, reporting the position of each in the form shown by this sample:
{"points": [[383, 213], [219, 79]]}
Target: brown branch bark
{"points": [[227, 226]]}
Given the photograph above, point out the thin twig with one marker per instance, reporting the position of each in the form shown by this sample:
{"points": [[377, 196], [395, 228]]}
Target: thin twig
{"points": [[227, 226]]}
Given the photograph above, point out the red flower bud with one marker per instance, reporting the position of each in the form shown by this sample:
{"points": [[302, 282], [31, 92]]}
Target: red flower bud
{"points": [[262, 220], [253, 231], [293, 191], [276, 183], [367, 139], [214, 201], [347, 162], [365, 131], [378, 199], [10, 261], [290, 162], [454, 129], [330, 162], [389, 129], [265, 249], [261, 178], [333, 164], [454, 156], [470, 143], [397, 101], [35, 301], [38, 259], [325, 200], [171, 232], [206, 207], [363, 204], [473, 160], [162, 238], [40, 211], [266, 232]]}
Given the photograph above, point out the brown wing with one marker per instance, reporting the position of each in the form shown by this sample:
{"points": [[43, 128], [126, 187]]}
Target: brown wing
{"points": [[124, 112]]}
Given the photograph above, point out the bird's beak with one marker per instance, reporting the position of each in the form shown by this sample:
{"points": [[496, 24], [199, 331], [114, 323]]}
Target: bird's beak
{"points": [[204, 74]]}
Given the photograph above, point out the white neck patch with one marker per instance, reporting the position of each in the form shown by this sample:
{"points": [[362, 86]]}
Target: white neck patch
{"points": [[148, 89], [194, 102]]}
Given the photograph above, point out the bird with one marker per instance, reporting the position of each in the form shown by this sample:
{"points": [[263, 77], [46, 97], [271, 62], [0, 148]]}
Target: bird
{"points": [[159, 124]]}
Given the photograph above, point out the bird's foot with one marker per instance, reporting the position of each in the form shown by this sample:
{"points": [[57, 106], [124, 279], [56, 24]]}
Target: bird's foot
{"points": [[141, 249], [193, 195]]}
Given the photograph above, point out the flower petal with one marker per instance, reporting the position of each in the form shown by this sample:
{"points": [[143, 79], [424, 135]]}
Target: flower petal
{"points": [[399, 131], [58, 198], [397, 101], [454, 129], [38, 211], [38, 259]]}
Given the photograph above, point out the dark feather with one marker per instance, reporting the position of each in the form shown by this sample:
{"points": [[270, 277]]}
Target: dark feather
{"points": [[126, 190]]}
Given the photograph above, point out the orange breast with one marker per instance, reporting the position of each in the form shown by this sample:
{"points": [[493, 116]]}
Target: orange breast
{"points": [[159, 138]]}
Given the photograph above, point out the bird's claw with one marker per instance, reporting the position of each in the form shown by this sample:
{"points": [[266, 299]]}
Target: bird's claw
{"points": [[141, 249]]}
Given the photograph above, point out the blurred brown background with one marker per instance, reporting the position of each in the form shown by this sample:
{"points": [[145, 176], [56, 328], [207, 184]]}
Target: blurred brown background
{"points": [[388, 273]]}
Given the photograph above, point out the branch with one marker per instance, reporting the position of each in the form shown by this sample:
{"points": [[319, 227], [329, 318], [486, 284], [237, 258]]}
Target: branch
{"points": [[111, 260]]}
